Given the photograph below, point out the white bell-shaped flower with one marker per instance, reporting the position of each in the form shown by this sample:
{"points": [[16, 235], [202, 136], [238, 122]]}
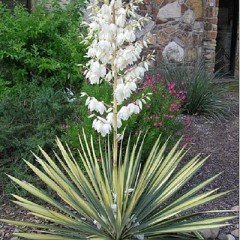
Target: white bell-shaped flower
{"points": [[127, 111], [121, 18], [133, 108], [106, 12], [96, 72], [102, 126], [130, 36], [124, 91], [94, 105], [124, 113], [110, 120]]}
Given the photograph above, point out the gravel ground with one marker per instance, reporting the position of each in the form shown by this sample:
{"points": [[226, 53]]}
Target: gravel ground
{"points": [[220, 141], [217, 139]]}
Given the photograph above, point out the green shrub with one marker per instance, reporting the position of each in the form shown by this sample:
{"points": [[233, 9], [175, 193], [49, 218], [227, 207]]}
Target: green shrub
{"points": [[30, 116], [202, 95], [39, 53], [157, 117], [124, 201], [43, 47]]}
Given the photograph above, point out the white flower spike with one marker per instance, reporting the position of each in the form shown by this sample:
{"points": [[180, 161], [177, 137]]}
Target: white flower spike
{"points": [[115, 57]]}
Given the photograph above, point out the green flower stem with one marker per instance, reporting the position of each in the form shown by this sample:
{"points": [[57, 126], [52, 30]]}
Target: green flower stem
{"points": [[115, 108]]}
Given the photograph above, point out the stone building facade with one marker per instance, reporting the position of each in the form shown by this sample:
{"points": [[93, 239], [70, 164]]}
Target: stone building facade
{"points": [[184, 30]]}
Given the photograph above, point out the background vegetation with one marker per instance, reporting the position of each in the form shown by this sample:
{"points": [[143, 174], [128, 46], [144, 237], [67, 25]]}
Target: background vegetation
{"points": [[39, 53], [202, 95]]}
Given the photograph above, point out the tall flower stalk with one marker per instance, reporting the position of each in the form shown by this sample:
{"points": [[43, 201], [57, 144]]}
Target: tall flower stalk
{"points": [[115, 108], [115, 57]]}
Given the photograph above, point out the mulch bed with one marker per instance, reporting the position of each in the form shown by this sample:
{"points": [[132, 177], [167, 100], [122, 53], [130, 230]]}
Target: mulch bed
{"points": [[217, 139]]}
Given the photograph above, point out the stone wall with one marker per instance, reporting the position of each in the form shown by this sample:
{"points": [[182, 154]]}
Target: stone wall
{"points": [[183, 30]]}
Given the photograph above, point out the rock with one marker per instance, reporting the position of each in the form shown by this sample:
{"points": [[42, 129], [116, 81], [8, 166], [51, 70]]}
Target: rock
{"points": [[235, 232], [230, 237], [210, 233], [191, 54], [171, 10], [146, 29], [163, 38], [188, 17], [197, 7], [222, 236], [173, 52], [198, 26], [151, 38]]}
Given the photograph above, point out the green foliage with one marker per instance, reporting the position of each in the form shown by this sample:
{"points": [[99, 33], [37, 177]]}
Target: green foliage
{"points": [[30, 116], [157, 117], [43, 47], [39, 53], [203, 96], [123, 201]]}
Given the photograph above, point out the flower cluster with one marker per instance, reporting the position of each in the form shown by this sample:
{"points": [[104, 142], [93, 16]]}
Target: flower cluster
{"points": [[180, 94], [170, 104], [151, 81], [174, 107], [115, 57]]}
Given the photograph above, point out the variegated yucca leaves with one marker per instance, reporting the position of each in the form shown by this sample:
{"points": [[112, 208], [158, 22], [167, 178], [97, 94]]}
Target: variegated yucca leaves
{"points": [[96, 200]]}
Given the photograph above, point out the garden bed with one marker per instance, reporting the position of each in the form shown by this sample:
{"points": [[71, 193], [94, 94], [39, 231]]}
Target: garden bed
{"points": [[220, 141], [217, 139]]}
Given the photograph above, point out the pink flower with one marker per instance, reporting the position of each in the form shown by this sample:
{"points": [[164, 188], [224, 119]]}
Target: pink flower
{"points": [[181, 95], [148, 81], [174, 107], [169, 116], [158, 124], [171, 87]]}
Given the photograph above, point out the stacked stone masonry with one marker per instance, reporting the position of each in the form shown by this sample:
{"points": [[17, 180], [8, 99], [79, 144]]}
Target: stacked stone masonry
{"points": [[183, 30]]}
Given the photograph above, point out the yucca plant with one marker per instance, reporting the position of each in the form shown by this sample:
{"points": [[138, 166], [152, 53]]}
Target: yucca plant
{"points": [[135, 202]]}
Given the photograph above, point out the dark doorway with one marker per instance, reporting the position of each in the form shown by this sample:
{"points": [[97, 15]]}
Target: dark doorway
{"points": [[227, 36]]}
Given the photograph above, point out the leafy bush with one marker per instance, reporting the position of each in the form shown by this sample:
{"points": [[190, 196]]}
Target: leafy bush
{"points": [[160, 114], [127, 201], [39, 53], [158, 117], [43, 47], [30, 116], [202, 95]]}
